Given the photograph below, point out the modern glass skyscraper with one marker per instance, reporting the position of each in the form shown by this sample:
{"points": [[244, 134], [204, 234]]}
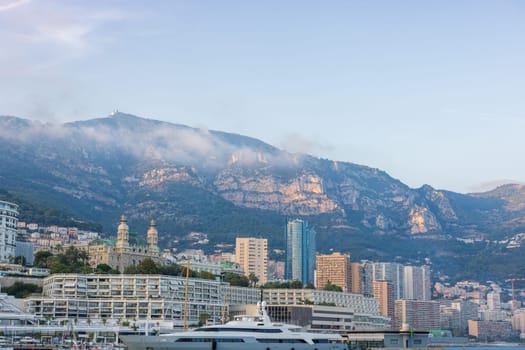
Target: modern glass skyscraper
{"points": [[300, 251]]}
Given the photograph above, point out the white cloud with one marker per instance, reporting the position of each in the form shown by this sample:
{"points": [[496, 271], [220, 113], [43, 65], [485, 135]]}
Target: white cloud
{"points": [[297, 143], [12, 4], [146, 140], [490, 185], [53, 29]]}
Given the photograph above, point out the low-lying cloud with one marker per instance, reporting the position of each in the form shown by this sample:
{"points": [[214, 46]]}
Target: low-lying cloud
{"points": [[145, 140]]}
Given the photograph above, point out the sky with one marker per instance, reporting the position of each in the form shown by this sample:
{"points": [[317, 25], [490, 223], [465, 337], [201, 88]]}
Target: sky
{"points": [[432, 92]]}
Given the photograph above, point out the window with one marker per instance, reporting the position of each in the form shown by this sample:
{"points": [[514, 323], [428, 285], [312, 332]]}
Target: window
{"points": [[208, 340], [228, 329], [279, 340]]}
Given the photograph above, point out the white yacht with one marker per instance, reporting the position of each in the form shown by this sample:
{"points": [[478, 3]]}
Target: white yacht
{"points": [[243, 333]]}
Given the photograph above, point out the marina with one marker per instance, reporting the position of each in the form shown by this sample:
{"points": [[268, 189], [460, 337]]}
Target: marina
{"points": [[256, 332], [22, 330]]}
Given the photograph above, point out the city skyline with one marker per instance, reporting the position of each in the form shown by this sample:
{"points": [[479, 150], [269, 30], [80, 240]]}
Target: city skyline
{"points": [[429, 92], [374, 305]]}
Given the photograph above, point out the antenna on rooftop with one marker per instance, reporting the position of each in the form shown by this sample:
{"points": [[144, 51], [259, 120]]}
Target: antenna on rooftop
{"points": [[113, 113]]}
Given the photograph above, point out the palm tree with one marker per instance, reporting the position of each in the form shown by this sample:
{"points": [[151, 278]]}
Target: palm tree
{"points": [[253, 279]]}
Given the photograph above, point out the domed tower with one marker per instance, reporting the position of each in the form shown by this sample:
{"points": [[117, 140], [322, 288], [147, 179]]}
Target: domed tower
{"points": [[153, 238], [122, 233]]}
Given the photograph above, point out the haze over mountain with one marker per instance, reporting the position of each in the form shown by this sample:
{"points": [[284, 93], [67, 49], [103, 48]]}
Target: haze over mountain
{"points": [[224, 185]]}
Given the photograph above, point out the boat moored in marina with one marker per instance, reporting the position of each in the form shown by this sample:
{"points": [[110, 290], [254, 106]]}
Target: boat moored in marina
{"points": [[243, 333]]}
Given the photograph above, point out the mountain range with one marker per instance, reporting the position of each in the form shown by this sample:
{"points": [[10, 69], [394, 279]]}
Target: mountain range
{"points": [[223, 185]]}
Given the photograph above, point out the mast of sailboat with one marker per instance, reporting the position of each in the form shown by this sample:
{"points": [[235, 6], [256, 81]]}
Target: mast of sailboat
{"points": [[184, 318]]}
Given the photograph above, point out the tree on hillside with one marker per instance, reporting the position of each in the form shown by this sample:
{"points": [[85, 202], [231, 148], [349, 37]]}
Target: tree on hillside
{"points": [[73, 260], [42, 259]]}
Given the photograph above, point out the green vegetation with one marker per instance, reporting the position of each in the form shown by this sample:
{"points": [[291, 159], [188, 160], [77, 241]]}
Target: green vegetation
{"points": [[195, 209], [33, 210], [73, 260], [326, 304], [253, 279], [42, 259], [284, 285], [190, 206], [149, 267], [203, 318], [105, 269], [21, 289], [19, 260], [332, 287], [236, 280]]}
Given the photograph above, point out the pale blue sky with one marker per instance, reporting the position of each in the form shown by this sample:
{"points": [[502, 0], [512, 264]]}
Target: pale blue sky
{"points": [[429, 91]]}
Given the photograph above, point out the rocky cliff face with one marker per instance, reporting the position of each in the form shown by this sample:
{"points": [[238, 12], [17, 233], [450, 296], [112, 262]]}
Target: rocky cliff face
{"points": [[301, 195]]}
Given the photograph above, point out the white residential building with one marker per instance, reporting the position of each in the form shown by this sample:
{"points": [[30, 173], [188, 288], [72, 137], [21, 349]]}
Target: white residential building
{"points": [[493, 301], [135, 297], [8, 223], [365, 309], [252, 254], [305, 296], [417, 285], [319, 318], [383, 271]]}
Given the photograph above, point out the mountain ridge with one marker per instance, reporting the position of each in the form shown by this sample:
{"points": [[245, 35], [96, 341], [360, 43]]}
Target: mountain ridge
{"points": [[191, 179]]}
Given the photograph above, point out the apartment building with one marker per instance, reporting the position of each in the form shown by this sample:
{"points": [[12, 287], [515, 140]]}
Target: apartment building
{"points": [[357, 302], [388, 271], [384, 293], [252, 254], [489, 330], [416, 314], [334, 269], [135, 297], [417, 283], [8, 223], [356, 273]]}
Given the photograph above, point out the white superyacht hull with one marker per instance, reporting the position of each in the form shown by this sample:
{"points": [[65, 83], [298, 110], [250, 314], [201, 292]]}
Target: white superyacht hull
{"points": [[226, 342]]}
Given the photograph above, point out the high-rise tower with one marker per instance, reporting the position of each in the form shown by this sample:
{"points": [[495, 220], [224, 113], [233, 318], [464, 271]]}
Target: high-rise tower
{"points": [[375, 271], [417, 284], [8, 222], [252, 254], [300, 251], [384, 293]]}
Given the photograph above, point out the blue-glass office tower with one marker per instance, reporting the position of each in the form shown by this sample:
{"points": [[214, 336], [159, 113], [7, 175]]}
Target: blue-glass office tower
{"points": [[300, 251]]}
